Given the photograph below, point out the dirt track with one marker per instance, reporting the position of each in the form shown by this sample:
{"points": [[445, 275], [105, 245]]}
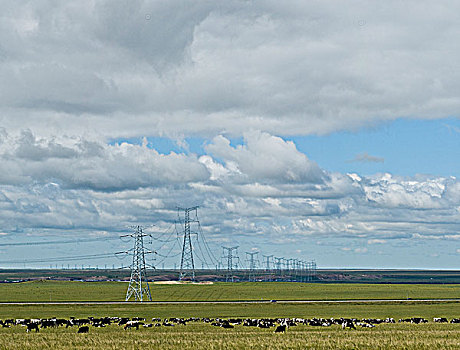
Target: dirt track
{"points": [[235, 302]]}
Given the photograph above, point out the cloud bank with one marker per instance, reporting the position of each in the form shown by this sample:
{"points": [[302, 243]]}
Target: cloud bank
{"points": [[263, 188], [172, 68]]}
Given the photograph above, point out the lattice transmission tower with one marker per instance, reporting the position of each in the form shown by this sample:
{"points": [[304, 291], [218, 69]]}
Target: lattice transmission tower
{"points": [[268, 264], [229, 256], [138, 285], [279, 266], [187, 265], [252, 259]]}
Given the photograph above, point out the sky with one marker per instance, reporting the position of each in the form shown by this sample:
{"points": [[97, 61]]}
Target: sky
{"points": [[324, 131]]}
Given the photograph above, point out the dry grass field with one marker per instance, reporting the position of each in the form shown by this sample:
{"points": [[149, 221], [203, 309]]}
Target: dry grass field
{"points": [[199, 335], [204, 336]]}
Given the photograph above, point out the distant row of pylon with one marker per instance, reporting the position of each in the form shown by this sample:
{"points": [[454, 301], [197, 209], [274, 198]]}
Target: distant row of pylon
{"points": [[276, 268]]}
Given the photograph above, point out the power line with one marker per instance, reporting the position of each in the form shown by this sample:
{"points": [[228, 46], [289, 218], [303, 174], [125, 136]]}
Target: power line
{"points": [[58, 242], [206, 245], [59, 259]]}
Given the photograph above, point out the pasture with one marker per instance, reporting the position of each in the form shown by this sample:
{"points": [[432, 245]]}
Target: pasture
{"points": [[45, 291], [205, 336], [199, 335]]}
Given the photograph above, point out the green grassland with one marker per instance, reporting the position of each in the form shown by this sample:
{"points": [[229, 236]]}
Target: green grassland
{"points": [[253, 310], [41, 291], [205, 336]]}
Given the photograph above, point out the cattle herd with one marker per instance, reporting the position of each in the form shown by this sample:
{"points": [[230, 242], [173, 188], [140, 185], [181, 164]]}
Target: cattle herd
{"points": [[280, 325]]}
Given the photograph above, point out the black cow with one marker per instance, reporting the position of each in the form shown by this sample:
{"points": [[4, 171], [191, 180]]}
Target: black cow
{"points": [[280, 329], [347, 323], [31, 327], [83, 329]]}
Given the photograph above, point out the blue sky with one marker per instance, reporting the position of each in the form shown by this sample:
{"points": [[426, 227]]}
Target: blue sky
{"points": [[408, 147], [405, 147], [301, 129]]}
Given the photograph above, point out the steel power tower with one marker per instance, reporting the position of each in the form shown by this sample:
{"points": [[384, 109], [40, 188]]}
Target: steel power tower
{"points": [[138, 285], [253, 262], [187, 265], [278, 266], [229, 256], [268, 264]]}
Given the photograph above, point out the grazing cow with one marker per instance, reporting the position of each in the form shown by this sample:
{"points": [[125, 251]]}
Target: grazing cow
{"points": [[404, 320], [21, 321], [81, 321], [440, 320], [31, 327], [455, 320], [226, 325], [280, 328], [83, 329], [9, 321], [418, 320], [365, 324], [98, 325], [49, 323], [263, 325], [133, 324], [123, 321], [347, 323]]}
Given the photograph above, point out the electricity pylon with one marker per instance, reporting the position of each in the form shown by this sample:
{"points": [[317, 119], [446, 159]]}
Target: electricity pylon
{"points": [[268, 264], [253, 262], [230, 257], [138, 285], [278, 265], [187, 265]]}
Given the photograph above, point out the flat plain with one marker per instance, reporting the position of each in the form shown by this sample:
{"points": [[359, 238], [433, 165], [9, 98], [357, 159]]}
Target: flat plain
{"points": [[198, 335], [46, 290]]}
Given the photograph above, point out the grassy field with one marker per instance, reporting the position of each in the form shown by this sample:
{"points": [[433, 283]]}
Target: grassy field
{"points": [[115, 291], [205, 336], [357, 310]]}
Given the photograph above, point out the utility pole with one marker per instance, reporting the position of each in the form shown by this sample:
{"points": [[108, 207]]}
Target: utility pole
{"points": [[278, 262], [313, 270], [268, 264], [301, 270], [288, 265], [187, 265], [253, 262], [296, 269], [138, 285], [229, 256]]}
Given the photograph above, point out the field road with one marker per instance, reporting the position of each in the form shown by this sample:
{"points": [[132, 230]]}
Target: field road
{"points": [[370, 301]]}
